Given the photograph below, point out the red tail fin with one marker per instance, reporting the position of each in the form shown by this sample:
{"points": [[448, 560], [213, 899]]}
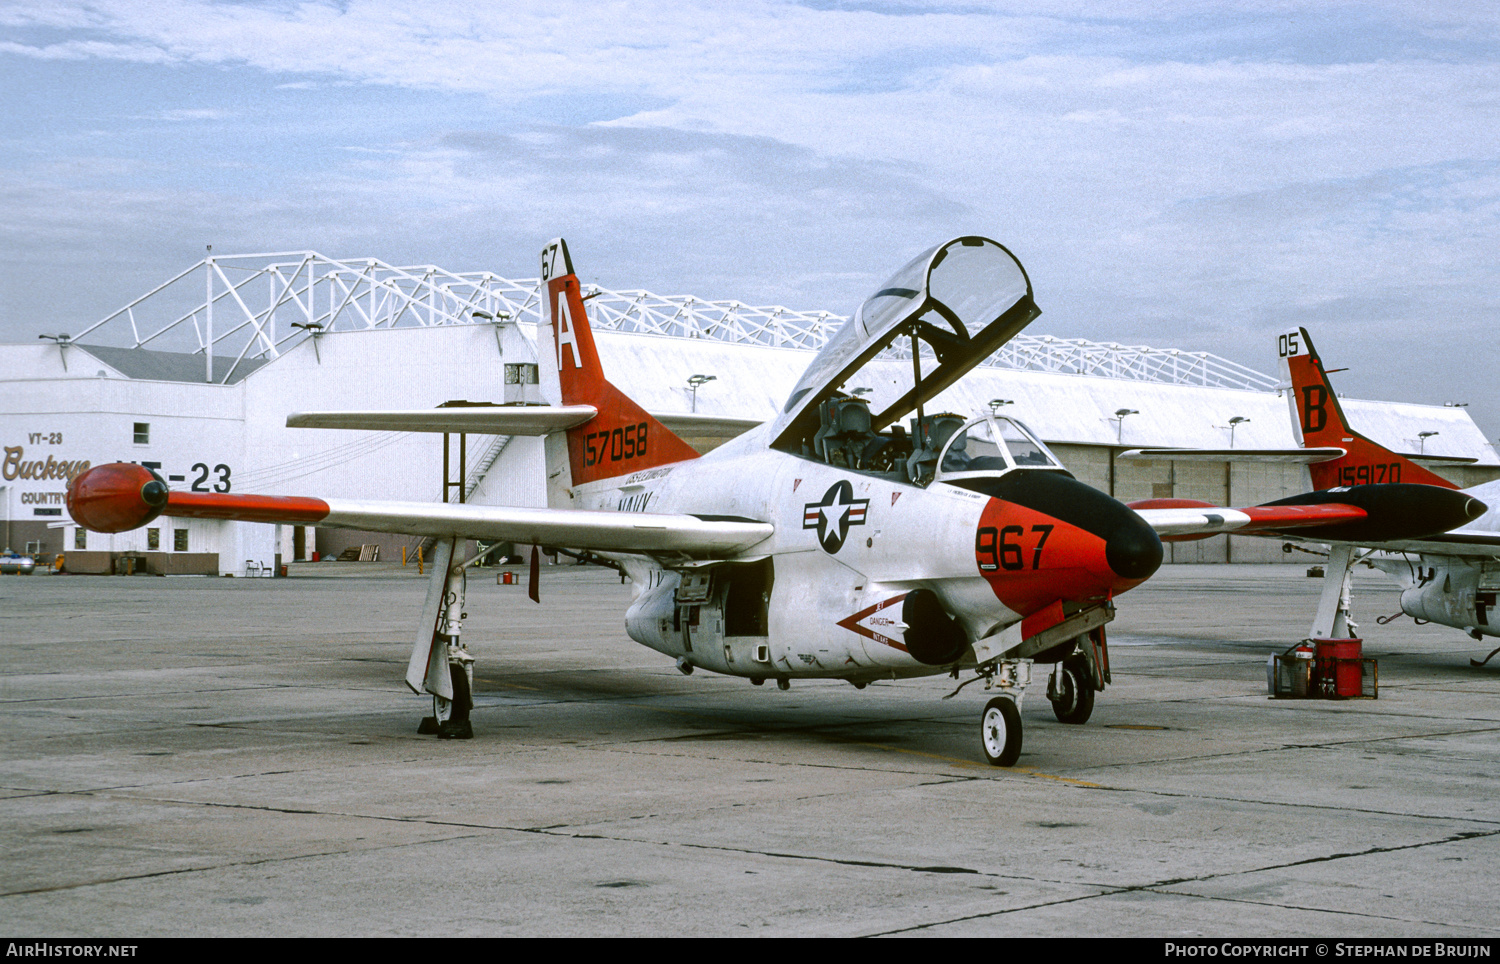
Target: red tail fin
{"points": [[622, 438], [1318, 420]]}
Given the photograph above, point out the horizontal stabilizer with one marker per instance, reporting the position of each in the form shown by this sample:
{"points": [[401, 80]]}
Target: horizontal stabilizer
{"points": [[1302, 456], [509, 420], [476, 419], [1439, 460]]}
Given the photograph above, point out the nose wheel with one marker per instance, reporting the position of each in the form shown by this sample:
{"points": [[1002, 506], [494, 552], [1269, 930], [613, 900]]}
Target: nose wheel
{"points": [[1000, 732], [1000, 724]]}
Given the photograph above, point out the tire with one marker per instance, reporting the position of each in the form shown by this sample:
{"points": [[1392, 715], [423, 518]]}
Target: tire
{"points": [[1075, 702], [1000, 732]]}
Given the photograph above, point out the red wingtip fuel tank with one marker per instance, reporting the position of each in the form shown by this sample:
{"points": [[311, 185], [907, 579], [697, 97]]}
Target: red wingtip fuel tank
{"points": [[123, 496], [116, 497]]}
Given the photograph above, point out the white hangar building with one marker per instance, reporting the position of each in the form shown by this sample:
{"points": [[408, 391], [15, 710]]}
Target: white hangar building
{"points": [[197, 377]]}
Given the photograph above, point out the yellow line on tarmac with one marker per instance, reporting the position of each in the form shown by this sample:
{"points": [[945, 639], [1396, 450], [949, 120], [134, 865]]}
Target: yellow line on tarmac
{"points": [[1052, 776], [930, 756], [509, 686], [1027, 771], [956, 761]]}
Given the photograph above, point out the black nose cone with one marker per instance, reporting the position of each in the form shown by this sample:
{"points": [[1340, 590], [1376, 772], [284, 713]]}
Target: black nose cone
{"points": [[1133, 549]]}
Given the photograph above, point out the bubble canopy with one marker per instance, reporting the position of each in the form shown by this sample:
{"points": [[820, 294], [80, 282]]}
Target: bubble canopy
{"points": [[990, 445], [955, 304]]}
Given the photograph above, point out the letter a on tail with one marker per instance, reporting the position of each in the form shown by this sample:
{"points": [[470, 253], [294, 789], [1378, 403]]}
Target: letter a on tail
{"points": [[622, 438]]}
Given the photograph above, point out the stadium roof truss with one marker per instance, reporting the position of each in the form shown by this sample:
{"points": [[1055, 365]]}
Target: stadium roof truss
{"points": [[259, 305]]}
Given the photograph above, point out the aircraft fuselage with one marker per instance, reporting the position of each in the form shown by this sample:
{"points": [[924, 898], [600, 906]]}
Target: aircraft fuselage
{"points": [[846, 585]]}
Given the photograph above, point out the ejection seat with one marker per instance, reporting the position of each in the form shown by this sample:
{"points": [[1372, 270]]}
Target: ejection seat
{"points": [[845, 432], [931, 434]]}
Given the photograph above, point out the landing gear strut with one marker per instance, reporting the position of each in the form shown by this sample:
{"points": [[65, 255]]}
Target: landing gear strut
{"points": [[440, 662], [1334, 619]]}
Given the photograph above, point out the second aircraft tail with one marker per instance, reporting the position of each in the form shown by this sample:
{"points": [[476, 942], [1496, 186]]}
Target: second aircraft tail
{"points": [[1318, 420]]}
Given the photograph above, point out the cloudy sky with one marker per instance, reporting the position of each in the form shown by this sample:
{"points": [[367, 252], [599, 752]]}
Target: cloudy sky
{"points": [[1195, 175]]}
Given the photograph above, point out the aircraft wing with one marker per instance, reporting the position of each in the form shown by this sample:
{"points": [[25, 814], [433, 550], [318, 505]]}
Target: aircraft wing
{"points": [[122, 496], [1459, 542], [1384, 516], [1236, 455], [1201, 521]]}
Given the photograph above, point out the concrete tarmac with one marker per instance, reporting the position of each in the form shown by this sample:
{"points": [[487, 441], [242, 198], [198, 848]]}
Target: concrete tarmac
{"points": [[207, 757]]}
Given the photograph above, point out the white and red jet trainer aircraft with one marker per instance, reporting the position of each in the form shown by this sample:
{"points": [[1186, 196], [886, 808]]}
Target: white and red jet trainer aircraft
{"points": [[1448, 575], [829, 543], [1452, 578]]}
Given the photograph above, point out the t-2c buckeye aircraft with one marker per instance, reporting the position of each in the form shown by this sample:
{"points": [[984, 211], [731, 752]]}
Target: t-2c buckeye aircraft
{"points": [[832, 542], [1452, 578], [1448, 576]]}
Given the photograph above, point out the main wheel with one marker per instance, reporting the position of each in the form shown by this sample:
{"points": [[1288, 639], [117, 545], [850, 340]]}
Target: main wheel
{"points": [[458, 726], [1000, 732], [1075, 691]]}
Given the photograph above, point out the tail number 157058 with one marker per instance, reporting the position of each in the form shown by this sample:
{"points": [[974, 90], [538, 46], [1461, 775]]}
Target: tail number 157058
{"points": [[614, 444]]}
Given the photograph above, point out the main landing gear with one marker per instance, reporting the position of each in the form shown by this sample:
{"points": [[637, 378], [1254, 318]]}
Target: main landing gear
{"points": [[1078, 676], [1070, 689], [440, 662], [450, 717]]}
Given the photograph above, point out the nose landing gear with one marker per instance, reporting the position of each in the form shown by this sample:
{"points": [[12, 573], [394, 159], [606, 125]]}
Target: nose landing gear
{"points": [[1000, 724], [1000, 732]]}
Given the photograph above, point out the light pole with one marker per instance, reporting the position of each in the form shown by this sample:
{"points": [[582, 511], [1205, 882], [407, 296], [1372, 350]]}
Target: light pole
{"points": [[1119, 421], [1424, 436], [1233, 423], [314, 328], [498, 319], [63, 340], [998, 403], [694, 381]]}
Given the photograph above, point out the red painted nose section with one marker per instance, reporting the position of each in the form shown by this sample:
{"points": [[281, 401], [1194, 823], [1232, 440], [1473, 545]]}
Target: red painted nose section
{"points": [[116, 497], [1031, 559]]}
